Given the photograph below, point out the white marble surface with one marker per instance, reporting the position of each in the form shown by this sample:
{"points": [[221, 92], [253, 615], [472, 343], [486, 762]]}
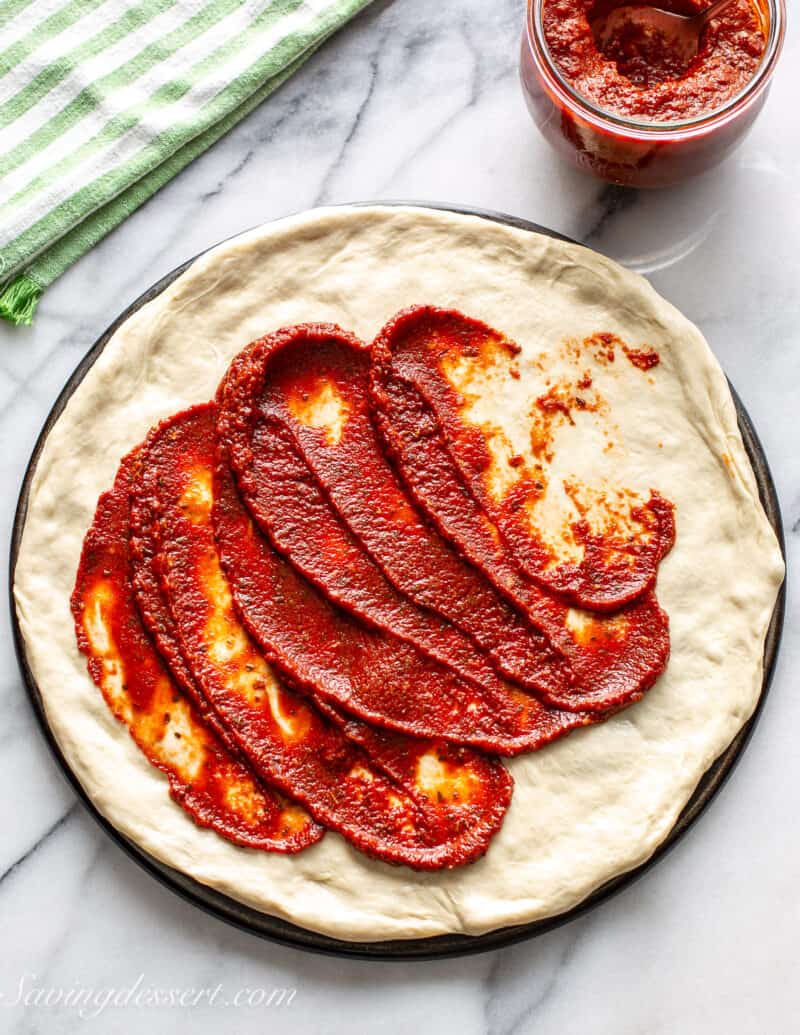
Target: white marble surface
{"points": [[421, 100]]}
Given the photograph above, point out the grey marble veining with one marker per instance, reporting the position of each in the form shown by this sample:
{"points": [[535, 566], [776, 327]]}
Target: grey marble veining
{"points": [[420, 100]]}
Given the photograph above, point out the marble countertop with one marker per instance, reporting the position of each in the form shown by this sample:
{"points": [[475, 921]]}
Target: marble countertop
{"points": [[420, 100]]}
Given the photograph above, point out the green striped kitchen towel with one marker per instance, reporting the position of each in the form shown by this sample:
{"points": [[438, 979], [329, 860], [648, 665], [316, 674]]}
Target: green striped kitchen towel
{"points": [[103, 101]]}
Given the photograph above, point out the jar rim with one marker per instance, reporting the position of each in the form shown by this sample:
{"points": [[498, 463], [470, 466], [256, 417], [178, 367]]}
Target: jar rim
{"points": [[608, 120]]}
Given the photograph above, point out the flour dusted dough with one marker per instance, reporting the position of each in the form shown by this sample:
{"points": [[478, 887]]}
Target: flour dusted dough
{"points": [[585, 809]]}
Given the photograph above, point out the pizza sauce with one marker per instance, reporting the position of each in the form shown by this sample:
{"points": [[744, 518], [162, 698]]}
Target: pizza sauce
{"points": [[639, 74], [330, 599]]}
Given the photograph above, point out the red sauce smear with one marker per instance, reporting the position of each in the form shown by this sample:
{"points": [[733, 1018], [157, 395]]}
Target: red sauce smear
{"points": [[638, 73], [642, 359], [604, 346], [314, 387], [614, 659], [374, 790], [419, 346], [211, 783]]}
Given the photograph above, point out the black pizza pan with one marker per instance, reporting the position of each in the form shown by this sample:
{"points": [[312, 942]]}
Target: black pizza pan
{"points": [[442, 946]]}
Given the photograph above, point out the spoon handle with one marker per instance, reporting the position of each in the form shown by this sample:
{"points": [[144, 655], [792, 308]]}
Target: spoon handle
{"points": [[715, 9]]}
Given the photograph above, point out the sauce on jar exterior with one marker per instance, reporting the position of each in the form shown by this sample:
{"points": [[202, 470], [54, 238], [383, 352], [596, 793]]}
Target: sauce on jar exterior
{"points": [[638, 75]]}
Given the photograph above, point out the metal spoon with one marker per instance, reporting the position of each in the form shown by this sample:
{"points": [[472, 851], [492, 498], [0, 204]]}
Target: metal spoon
{"points": [[683, 31]]}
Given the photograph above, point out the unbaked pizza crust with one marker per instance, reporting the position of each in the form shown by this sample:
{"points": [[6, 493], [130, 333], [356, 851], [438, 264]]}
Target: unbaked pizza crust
{"points": [[585, 809]]}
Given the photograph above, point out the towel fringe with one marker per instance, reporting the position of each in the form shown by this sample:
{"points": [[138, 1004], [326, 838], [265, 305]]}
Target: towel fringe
{"points": [[19, 299]]}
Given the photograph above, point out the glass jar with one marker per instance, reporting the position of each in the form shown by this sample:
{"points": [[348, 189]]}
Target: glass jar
{"points": [[635, 153]]}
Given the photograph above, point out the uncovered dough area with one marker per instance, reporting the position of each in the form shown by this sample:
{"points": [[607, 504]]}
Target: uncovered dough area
{"points": [[592, 806]]}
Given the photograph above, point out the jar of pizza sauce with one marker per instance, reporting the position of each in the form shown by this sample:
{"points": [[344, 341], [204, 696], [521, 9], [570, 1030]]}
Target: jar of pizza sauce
{"points": [[628, 113]]}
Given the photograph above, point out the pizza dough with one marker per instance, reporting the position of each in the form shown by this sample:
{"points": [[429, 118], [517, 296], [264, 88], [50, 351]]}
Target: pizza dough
{"points": [[585, 809]]}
